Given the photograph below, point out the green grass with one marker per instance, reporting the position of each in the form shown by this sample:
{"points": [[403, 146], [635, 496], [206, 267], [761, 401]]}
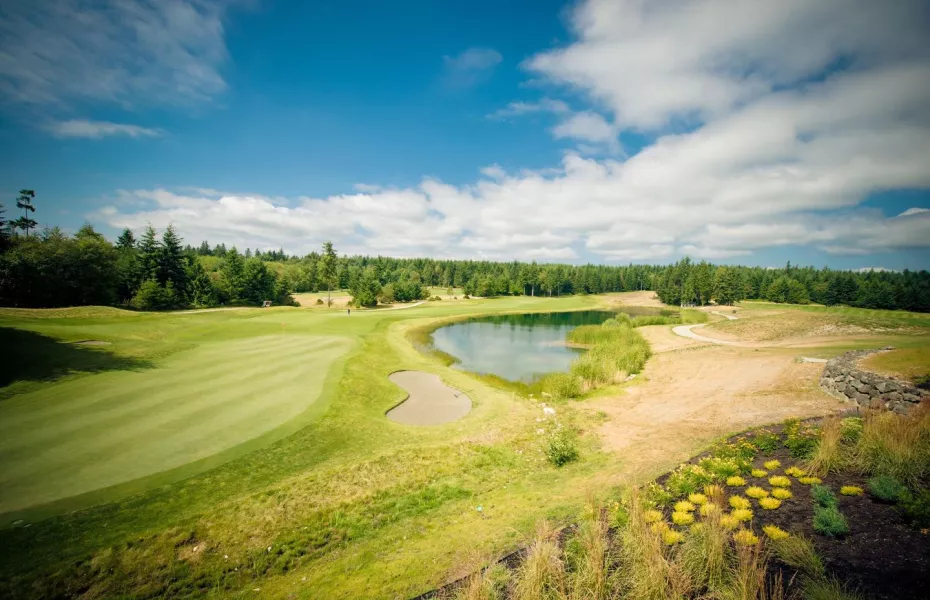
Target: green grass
{"points": [[356, 483], [911, 364], [94, 432]]}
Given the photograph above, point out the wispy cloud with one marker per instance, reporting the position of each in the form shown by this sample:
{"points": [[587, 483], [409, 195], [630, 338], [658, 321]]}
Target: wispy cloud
{"points": [[125, 52], [82, 128], [589, 127], [516, 109], [470, 67]]}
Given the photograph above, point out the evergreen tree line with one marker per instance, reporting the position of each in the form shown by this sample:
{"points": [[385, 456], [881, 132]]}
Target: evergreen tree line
{"points": [[53, 269]]}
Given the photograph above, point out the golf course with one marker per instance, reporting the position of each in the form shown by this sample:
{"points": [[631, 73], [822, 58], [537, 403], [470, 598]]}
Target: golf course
{"points": [[251, 451]]}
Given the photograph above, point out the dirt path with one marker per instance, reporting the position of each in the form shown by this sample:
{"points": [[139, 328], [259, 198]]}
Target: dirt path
{"points": [[693, 394], [430, 401]]}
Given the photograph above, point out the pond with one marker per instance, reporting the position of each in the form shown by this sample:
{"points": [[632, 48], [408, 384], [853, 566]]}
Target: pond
{"points": [[518, 347]]}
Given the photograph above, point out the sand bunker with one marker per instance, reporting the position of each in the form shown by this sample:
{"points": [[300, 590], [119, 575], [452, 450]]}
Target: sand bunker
{"points": [[430, 401]]}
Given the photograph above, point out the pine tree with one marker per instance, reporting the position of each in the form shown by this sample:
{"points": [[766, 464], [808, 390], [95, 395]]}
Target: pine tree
{"points": [[149, 254], [171, 263], [126, 240], [233, 270], [24, 202], [328, 270]]}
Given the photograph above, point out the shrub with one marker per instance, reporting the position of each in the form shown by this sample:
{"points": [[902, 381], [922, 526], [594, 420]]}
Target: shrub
{"points": [[697, 498], [769, 503], [721, 467], [779, 481], [687, 479], [153, 296], [682, 518], [561, 447], [684, 506], [735, 481], [671, 537], [729, 522], [795, 472], [916, 508], [886, 488], [810, 480], [756, 492], [771, 465], [709, 509], [759, 473], [745, 537], [652, 516], [739, 502], [800, 438], [851, 429], [319, 302], [851, 490], [829, 521], [561, 385], [773, 532], [741, 514], [765, 441], [781, 493], [656, 495], [798, 552], [823, 496]]}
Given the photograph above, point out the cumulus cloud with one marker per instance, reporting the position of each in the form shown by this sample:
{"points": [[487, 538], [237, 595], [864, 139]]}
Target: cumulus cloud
{"points": [[82, 128], [769, 146], [125, 52], [470, 67], [516, 109]]}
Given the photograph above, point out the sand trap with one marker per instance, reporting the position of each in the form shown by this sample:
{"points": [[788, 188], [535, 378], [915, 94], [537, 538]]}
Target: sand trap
{"points": [[430, 401]]}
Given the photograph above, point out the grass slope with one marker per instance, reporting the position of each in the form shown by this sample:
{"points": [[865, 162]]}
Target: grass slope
{"points": [[113, 427]]}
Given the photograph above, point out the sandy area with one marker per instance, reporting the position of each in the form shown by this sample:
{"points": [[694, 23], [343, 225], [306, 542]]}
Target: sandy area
{"points": [[430, 401], [643, 298], [691, 395]]}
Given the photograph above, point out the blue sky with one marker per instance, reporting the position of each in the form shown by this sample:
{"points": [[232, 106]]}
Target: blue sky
{"points": [[749, 133]]}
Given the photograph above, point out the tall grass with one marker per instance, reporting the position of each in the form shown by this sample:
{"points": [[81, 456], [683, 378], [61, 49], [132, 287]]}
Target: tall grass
{"points": [[542, 574], [706, 553], [896, 445], [487, 584], [591, 560], [616, 351], [828, 455]]}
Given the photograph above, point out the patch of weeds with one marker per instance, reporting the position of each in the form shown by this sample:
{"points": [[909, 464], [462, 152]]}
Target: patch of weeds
{"points": [[886, 488], [801, 439], [722, 467], [561, 446], [740, 449], [652, 516], [795, 472], [851, 490], [828, 589], [779, 481], [916, 508], [823, 496], [771, 465], [684, 506], [561, 385], [729, 522], [709, 509], [670, 537], [829, 521], [759, 473], [736, 481]]}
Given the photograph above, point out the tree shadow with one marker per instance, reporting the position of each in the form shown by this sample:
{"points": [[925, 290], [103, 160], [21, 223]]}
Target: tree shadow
{"points": [[30, 356]]}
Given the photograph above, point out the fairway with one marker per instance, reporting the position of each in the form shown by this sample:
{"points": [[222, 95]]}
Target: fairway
{"points": [[109, 428]]}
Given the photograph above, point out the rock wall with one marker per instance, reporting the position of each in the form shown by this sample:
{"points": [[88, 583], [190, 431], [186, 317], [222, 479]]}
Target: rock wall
{"points": [[843, 379]]}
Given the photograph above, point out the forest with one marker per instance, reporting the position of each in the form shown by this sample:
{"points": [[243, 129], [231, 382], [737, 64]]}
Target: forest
{"points": [[51, 268]]}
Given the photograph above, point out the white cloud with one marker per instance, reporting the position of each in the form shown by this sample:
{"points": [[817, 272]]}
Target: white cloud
{"points": [[515, 109], [82, 128], [126, 52], [588, 126], [470, 67], [763, 163]]}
